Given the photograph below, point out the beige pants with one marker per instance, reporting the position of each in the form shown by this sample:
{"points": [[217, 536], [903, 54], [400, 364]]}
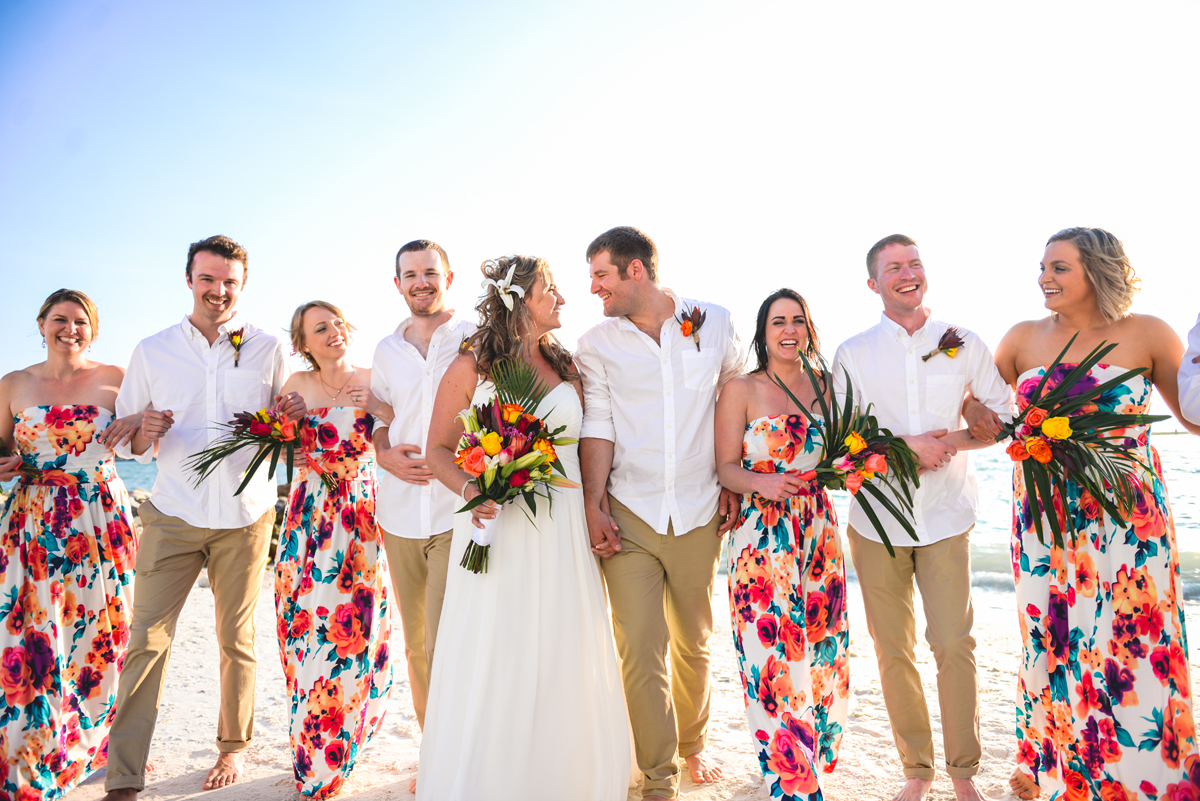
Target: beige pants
{"points": [[943, 574], [418, 569], [170, 556], [660, 589]]}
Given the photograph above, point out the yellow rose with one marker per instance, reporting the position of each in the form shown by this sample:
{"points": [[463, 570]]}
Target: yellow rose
{"points": [[511, 412], [491, 443], [855, 443], [1057, 427], [543, 446]]}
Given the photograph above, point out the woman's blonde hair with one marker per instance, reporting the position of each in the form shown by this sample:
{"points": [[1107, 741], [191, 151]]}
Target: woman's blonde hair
{"points": [[297, 329], [502, 332], [1106, 267], [72, 296]]}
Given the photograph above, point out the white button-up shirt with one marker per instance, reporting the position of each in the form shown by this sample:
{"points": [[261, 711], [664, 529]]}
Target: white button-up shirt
{"points": [[911, 396], [408, 382], [1189, 377], [655, 403], [176, 369]]}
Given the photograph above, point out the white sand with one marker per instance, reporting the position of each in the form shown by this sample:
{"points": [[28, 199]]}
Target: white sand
{"points": [[184, 747]]}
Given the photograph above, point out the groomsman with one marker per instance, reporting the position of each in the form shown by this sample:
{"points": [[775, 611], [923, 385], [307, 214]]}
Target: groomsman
{"points": [[1189, 377], [182, 380], [655, 512], [922, 400], [414, 510]]}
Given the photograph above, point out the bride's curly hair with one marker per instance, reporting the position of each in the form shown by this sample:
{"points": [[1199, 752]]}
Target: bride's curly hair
{"points": [[502, 333]]}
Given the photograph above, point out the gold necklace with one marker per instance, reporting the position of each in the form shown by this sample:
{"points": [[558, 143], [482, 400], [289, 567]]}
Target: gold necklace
{"points": [[329, 389]]}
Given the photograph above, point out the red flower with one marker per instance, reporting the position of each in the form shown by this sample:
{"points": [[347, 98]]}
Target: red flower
{"points": [[335, 754], [260, 429], [519, 478]]}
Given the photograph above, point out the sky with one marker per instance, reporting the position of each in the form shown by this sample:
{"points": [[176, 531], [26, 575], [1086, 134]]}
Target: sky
{"points": [[760, 144]]}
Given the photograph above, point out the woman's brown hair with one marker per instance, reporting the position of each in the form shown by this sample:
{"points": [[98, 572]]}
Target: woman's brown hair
{"points": [[72, 296]]}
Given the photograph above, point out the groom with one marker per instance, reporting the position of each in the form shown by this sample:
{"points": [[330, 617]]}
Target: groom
{"points": [[921, 400], [651, 373]]}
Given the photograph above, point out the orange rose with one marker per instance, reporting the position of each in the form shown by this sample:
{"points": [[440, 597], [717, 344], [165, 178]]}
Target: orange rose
{"points": [[1038, 449], [854, 482], [1035, 416], [1016, 451], [686, 328], [475, 461], [876, 463], [511, 412]]}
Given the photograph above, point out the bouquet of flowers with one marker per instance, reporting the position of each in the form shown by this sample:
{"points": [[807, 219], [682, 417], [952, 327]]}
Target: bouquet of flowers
{"points": [[509, 451], [267, 430], [26, 469], [1061, 436], [856, 453]]}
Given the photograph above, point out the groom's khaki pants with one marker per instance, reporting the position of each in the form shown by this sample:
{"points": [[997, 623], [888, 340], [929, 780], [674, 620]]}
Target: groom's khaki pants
{"points": [[943, 574], [660, 589], [170, 556]]}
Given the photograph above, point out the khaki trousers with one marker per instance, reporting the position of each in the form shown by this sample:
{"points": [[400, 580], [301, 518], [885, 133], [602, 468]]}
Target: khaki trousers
{"points": [[418, 569], [943, 574], [660, 589], [170, 556]]}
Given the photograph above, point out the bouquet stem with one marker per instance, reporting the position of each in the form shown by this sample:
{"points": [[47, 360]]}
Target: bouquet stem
{"points": [[475, 558]]}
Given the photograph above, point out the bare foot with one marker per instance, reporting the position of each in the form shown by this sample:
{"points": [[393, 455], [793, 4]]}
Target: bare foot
{"points": [[1023, 786], [126, 794], [702, 769], [914, 790], [227, 771], [965, 790], [412, 784]]}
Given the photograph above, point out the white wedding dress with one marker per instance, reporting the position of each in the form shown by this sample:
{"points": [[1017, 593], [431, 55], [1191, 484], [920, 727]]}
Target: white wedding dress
{"points": [[525, 698]]}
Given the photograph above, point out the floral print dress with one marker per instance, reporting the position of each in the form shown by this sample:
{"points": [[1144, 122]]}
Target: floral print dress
{"points": [[787, 589], [331, 601], [66, 573], [1104, 709]]}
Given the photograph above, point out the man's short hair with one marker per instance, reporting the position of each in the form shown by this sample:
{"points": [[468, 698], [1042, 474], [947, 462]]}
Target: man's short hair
{"points": [[416, 246], [624, 244], [877, 248], [221, 246]]}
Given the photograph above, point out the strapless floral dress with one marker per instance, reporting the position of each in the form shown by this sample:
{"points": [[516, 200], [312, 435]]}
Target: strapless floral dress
{"points": [[1104, 707], [66, 574], [787, 593], [331, 601]]}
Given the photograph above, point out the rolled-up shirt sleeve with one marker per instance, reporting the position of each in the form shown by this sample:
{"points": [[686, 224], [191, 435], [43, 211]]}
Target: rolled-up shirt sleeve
{"points": [[734, 362], [134, 398], [281, 371], [597, 410], [1189, 377], [379, 384], [986, 383]]}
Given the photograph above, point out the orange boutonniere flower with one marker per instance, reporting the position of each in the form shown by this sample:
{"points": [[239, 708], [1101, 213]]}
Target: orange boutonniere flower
{"points": [[949, 344], [237, 339], [690, 323]]}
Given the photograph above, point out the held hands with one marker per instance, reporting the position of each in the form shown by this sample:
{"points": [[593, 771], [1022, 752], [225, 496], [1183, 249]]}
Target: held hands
{"points": [[10, 467], [484, 511], [156, 424], [396, 461], [982, 422], [729, 506], [363, 398], [602, 531], [121, 431], [292, 406], [933, 453]]}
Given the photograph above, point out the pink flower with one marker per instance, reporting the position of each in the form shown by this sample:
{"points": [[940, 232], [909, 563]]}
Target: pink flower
{"points": [[854, 482], [876, 463]]}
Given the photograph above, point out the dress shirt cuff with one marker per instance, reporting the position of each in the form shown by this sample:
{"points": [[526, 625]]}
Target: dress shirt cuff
{"points": [[596, 429]]}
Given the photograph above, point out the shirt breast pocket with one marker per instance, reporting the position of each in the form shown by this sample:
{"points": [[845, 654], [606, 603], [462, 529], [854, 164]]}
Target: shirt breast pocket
{"points": [[245, 392], [701, 368], [944, 396]]}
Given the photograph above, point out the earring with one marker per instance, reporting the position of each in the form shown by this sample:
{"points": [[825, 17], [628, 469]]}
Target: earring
{"points": [[43, 340]]}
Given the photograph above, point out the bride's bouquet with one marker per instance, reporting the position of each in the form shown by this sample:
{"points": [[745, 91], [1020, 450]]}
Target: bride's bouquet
{"points": [[508, 451], [1061, 435], [29, 471], [857, 454], [267, 430]]}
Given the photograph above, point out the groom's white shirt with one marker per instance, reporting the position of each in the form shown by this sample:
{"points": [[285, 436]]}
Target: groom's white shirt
{"points": [[1189, 377], [655, 403]]}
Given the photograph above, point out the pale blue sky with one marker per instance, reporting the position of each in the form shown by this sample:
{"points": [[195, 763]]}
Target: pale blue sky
{"points": [[761, 144]]}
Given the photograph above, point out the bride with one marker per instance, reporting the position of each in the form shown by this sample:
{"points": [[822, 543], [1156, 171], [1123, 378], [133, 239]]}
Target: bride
{"points": [[525, 698]]}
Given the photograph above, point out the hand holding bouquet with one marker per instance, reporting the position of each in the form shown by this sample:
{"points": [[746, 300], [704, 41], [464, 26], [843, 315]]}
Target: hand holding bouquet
{"points": [[268, 430], [508, 451], [23, 468], [856, 453], [1060, 437]]}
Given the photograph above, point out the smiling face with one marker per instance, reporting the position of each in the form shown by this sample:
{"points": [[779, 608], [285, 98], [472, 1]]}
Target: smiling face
{"points": [[216, 283], [786, 333], [899, 278], [423, 280], [544, 302], [619, 295], [1062, 280], [67, 328], [326, 336]]}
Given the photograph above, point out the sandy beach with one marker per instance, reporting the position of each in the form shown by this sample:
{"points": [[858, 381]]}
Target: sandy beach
{"points": [[184, 747]]}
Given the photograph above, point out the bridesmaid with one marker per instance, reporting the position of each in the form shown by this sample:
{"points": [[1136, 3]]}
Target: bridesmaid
{"points": [[1104, 708], [787, 580], [66, 568], [330, 596]]}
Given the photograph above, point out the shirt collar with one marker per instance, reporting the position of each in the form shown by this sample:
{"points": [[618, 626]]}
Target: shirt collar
{"points": [[670, 293], [441, 329], [895, 331], [192, 331]]}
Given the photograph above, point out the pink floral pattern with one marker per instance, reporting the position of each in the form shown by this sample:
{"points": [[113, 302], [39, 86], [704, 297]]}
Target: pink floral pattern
{"points": [[331, 602], [66, 569]]}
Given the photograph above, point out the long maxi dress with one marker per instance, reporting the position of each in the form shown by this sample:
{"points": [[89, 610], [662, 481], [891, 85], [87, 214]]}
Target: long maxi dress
{"points": [[331, 601], [525, 698], [787, 593], [1104, 707], [66, 574]]}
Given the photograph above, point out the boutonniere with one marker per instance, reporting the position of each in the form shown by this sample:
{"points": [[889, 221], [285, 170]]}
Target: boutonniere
{"points": [[690, 324], [237, 339], [949, 344]]}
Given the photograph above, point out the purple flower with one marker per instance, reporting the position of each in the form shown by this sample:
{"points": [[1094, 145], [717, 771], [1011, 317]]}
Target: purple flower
{"points": [[1118, 680], [364, 605], [1057, 626]]}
